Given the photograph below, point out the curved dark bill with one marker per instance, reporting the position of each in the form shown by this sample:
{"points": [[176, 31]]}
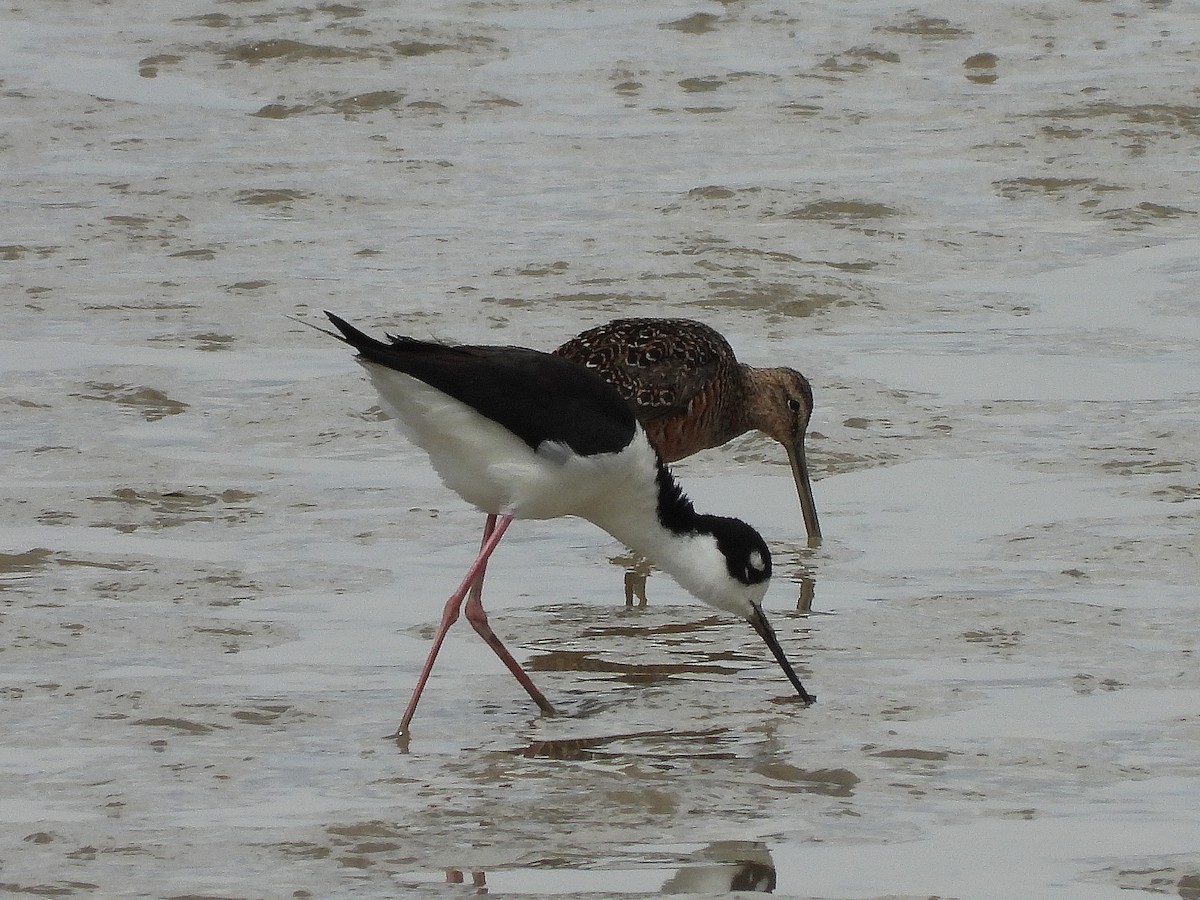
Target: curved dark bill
{"points": [[808, 506], [760, 624]]}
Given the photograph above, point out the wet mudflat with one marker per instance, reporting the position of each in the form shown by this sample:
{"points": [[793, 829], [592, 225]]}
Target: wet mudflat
{"points": [[219, 567]]}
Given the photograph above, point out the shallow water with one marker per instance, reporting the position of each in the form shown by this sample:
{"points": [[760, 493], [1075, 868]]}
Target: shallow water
{"points": [[219, 567]]}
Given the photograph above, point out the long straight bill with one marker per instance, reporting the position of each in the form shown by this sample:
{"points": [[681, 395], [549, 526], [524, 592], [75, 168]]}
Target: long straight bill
{"points": [[808, 506], [760, 624]]}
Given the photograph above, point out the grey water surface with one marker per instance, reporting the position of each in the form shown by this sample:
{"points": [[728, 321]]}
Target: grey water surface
{"points": [[973, 226]]}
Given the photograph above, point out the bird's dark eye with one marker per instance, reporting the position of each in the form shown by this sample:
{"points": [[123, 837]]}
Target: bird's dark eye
{"points": [[793, 404]]}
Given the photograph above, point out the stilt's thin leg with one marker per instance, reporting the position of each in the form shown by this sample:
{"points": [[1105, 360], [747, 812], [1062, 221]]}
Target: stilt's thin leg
{"points": [[491, 537], [479, 621]]}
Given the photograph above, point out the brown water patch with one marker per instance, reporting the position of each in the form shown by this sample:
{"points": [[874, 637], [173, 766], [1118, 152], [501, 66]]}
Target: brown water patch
{"points": [[207, 342], [699, 23], [1179, 878], [714, 196], [774, 256], [1140, 461], [140, 304], [712, 192], [1142, 215], [926, 27], [281, 111], [996, 638], [201, 253], [842, 211], [785, 299], [300, 849], [701, 85], [1084, 684], [49, 889], [359, 830], [699, 744], [186, 726], [264, 715], [981, 68], [801, 109], [537, 270], [418, 48], [212, 341], [496, 102], [98, 564], [149, 66], [138, 227], [857, 60], [1012, 188], [342, 10], [585, 661], [270, 196], [210, 20], [166, 509], [1170, 118], [430, 106], [19, 251], [788, 259], [826, 782], [244, 287], [646, 630], [20, 563], [913, 753], [981, 61], [1064, 133], [291, 51], [372, 101], [860, 266], [1178, 493], [357, 843], [462, 43], [151, 403], [132, 222]]}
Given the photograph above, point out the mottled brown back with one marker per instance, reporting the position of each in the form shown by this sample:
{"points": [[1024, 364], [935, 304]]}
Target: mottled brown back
{"points": [[681, 376]]}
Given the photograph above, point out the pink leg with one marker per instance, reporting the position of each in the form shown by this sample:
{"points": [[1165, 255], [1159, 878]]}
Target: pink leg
{"points": [[491, 537], [473, 582], [479, 621]]}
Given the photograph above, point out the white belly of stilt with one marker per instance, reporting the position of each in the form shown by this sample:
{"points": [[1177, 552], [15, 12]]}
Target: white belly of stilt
{"points": [[492, 469]]}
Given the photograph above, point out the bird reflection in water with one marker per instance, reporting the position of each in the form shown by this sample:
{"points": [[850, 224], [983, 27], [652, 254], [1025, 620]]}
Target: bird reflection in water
{"points": [[722, 867], [478, 879], [638, 568], [725, 867]]}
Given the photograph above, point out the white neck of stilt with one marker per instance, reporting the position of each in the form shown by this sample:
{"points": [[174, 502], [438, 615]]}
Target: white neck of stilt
{"points": [[691, 558]]}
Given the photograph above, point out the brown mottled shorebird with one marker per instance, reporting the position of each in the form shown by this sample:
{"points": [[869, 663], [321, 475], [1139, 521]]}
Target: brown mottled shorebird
{"points": [[691, 393]]}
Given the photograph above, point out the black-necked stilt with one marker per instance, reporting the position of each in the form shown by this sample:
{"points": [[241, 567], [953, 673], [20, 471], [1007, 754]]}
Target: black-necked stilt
{"points": [[691, 393], [524, 434]]}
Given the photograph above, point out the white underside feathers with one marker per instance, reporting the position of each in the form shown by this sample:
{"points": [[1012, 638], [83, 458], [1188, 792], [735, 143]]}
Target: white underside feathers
{"points": [[492, 469]]}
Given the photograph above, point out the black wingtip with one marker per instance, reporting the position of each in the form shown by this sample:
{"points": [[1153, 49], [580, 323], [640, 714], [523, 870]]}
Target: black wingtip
{"points": [[343, 326], [363, 343]]}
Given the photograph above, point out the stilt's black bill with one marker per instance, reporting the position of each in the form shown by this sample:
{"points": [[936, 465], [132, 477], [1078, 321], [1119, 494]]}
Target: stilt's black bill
{"points": [[767, 633]]}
